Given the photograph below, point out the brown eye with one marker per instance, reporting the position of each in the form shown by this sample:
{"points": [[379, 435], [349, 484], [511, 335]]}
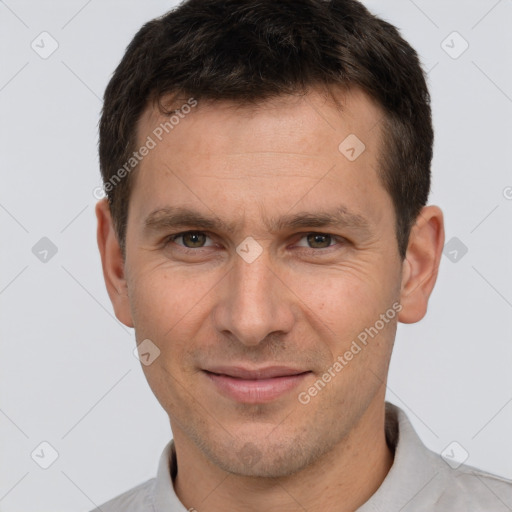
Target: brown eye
{"points": [[318, 240], [192, 239]]}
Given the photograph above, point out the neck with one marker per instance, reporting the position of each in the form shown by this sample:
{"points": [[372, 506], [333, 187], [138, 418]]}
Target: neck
{"points": [[342, 480]]}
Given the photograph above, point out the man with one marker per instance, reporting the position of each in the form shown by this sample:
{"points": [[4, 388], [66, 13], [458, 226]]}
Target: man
{"points": [[267, 166]]}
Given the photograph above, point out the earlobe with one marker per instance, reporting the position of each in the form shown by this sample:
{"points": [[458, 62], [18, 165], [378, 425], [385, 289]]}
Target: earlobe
{"points": [[421, 264], [113, 263]]}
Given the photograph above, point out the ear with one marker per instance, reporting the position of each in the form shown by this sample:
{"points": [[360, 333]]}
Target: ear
{"points": [[421, 264], [113, 264]]}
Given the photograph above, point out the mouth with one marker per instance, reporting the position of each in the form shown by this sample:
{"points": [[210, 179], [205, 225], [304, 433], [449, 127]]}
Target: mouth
{"points": [[254, 386]]}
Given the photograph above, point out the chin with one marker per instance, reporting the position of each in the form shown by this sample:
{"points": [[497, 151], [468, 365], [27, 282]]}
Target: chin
{"points": [[263, 459]]}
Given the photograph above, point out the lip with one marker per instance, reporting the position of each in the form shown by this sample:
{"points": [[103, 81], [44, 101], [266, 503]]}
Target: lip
{"points": [[254, 386]]}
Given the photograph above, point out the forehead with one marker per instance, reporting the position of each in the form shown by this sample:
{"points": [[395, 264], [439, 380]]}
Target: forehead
{"points": [[312, 116], [308, 149]]}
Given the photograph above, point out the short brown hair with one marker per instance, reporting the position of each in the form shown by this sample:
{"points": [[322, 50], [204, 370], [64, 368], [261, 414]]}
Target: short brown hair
{"points": [[251, 50]]}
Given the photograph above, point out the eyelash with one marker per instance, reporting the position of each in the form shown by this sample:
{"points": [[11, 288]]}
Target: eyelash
{"points": [[188, 250]]}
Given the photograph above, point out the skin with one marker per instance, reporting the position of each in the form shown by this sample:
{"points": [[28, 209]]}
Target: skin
{"points": [[301, 303]]}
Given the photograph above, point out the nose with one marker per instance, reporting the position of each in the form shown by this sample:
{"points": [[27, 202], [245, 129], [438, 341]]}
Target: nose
{"points": [[254, 302]]}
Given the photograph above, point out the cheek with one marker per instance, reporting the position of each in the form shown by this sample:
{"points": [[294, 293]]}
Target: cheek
{"points": [[347, 295], [167, 309], [347, 305], [164, 301]]}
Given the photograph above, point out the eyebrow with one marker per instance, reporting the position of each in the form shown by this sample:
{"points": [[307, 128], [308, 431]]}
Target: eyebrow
{"points": [[181, 217]]}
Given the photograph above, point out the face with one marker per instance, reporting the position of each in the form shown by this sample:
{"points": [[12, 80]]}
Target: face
{"points": [[257, 253]]}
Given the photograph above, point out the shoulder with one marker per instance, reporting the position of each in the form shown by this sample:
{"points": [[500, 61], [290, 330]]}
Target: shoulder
{"points": [[475, 490], [137, 499], [421, 480]]}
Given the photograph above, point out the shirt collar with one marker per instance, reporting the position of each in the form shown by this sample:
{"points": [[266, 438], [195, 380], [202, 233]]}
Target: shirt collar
{"points": [[164, 497], [414, 466]]}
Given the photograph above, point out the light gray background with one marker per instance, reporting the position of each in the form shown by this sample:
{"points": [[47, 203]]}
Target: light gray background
{"points": [[68, 374]]}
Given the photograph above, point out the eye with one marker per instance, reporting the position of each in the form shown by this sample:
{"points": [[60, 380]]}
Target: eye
{"points": [[317, 241], [191, 239]]}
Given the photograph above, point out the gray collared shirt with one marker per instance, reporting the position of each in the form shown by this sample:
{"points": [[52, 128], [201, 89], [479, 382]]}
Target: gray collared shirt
{"points": [[419, 480]]}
